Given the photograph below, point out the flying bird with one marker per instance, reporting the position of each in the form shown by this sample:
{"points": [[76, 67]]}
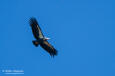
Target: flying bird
{"points": [[40, 38]]}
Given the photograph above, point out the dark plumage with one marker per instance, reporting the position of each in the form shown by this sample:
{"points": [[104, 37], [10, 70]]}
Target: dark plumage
{"points": [[40, 39]]}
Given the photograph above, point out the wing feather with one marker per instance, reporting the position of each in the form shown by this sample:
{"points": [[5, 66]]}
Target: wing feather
{"points": [[49, 48], [36, 28]]}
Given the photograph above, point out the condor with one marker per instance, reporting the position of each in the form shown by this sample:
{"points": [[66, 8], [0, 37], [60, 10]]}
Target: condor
{"points": [[40, 39]]}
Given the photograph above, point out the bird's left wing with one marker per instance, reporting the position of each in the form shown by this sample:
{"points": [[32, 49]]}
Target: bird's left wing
{"points": [[36, 28], [49, 48]]}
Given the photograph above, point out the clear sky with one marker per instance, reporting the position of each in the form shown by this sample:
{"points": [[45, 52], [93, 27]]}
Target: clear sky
{"points": [[83, 32]]}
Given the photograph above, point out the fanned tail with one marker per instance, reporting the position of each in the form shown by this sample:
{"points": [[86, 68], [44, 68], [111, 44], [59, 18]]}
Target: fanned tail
{"points": [[36, 43]]}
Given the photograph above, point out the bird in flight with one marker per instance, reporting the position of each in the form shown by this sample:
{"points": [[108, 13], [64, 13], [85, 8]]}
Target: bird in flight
{"points": [[40, 38]]}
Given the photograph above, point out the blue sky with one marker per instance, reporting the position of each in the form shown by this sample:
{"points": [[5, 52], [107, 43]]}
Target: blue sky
{"points": [[83, 32]]}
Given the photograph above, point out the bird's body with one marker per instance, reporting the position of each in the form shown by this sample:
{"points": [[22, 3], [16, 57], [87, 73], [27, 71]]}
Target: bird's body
{"points": [[40, 39]]}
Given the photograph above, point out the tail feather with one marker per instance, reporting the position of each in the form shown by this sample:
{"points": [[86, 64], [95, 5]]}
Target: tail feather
{"points": [[36, 43]]}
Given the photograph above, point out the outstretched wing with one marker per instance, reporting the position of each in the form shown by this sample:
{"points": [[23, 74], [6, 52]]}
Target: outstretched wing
{"points": [[49, 48], [36, 28]]}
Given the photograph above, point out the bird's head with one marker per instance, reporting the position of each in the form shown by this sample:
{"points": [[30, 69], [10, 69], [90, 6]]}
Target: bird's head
{"points": [[46, 38]]}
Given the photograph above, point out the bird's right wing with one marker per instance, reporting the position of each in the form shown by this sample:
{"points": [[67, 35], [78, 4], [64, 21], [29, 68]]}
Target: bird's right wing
{"points": [[49, 48], [36, 28]]}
